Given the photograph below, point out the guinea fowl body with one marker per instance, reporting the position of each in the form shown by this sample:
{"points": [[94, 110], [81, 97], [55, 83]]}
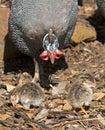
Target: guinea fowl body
{"points": [[31, 20], [101, 6]]}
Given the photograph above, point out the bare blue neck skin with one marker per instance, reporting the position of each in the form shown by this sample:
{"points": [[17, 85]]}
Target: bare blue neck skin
{"points": [[50, 46]]}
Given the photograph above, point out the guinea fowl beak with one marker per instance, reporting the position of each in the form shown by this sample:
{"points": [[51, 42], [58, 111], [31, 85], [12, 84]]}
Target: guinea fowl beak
{"points": [[55, 55], [52, 57]]}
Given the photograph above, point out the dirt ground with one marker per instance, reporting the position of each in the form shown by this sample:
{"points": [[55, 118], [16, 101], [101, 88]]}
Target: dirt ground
{"points": [[84, 57]]}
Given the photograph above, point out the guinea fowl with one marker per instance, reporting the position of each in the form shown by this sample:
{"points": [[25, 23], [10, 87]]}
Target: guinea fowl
{"points": [[101, 6], [47, 24]]}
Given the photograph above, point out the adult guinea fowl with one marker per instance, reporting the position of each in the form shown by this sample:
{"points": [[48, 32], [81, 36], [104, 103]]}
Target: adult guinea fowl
{"points": [[101, 6], [34, 24]]}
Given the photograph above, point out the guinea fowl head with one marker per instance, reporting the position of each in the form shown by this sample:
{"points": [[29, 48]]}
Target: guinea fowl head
{"points": [[51, 45]]}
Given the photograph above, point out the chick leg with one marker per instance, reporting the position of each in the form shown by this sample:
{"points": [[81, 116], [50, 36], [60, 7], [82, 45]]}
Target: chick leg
{"points": [[83, 110]]}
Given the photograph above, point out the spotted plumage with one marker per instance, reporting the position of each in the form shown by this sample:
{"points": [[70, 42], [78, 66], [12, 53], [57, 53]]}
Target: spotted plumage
{"points": [[32, 24]]}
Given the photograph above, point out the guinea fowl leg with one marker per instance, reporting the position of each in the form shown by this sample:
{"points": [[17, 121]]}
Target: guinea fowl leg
{"points": [[83, 110], [36, 72]]}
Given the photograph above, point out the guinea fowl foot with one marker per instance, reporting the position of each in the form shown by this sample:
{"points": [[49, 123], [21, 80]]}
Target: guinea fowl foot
{"points": [[83, 110]]}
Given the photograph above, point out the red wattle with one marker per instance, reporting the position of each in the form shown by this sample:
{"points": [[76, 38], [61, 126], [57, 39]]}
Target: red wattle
{"points": [[44, 56], [59, 53]]}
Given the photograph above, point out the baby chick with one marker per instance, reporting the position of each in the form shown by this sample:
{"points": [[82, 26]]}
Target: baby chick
{"points": [[80, 93], [29, 94], [85, 77]]}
